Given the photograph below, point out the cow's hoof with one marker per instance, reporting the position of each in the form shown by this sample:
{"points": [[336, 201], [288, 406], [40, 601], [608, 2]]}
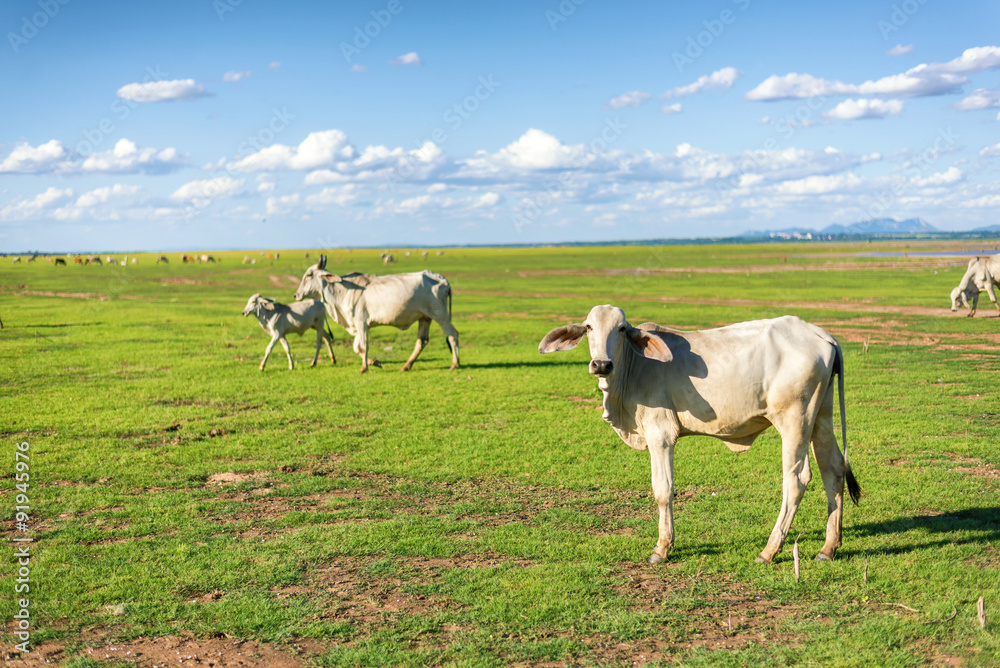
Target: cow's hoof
{"points": [[405, 367], [823, 557], [761, 560], [452, 367], [655, 558]]}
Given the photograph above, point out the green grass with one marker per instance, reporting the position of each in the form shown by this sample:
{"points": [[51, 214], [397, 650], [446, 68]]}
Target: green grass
{"points": [[488, 516]]}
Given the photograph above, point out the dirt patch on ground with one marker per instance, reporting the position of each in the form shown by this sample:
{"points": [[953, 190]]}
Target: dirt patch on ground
{"points": [[172, 651], [287, 281]]}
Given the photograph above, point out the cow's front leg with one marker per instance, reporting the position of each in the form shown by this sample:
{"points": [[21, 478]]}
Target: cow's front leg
{"points": [[267, 352], [661, 459]]}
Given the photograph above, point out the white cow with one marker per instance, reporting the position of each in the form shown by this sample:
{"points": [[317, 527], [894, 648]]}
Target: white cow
{"points": [[280, 319], [731, 383], [359, 302], [980, 276]]}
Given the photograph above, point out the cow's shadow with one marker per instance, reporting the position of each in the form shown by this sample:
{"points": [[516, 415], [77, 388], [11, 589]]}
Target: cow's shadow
{"points": [[974, 526], [521, 365]]}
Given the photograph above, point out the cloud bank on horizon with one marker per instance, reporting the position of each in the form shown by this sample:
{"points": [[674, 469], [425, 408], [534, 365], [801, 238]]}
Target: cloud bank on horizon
{"points": [[496, 139]]}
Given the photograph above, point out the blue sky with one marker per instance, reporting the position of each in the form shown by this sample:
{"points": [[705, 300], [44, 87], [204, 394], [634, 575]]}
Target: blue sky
{"points": [[248, 124]]}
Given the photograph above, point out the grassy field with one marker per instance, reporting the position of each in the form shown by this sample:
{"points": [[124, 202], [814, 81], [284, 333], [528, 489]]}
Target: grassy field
{"points": [[184, 505]]}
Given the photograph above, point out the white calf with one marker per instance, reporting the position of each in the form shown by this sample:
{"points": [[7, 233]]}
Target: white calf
{"points": [[297, 318]]}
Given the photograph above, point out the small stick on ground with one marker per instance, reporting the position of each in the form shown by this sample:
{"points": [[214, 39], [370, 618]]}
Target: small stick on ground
{"points": [[795, 556], [981, 611], [938, 621], [866, 570]]}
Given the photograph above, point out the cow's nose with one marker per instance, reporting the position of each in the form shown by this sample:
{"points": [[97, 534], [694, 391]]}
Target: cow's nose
{"points": [[601, 367]]}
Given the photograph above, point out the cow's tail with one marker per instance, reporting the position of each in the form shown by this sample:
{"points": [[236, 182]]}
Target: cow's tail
{"points": [[853, 488]]}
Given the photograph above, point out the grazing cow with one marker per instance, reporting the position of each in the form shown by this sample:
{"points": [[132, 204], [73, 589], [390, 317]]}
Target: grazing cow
{"points": [[440, 252], [424, 255], [78, 260], [280, 319], [33, 257], [207, 258], [387, 258], [731, 383], [359, 302], [162, 258], [60, 261], [980, 276], [94, 260], [16, 260]]}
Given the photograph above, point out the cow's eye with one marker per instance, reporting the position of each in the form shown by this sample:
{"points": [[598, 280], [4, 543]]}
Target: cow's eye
{"points": [[589, 328], [622, 328]]}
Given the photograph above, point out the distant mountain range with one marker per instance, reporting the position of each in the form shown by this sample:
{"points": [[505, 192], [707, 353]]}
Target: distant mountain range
{"points": [[865, 228]]}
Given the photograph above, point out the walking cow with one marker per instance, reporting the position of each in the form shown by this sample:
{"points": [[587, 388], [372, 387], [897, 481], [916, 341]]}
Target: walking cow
{"points": [[731, 383], [359, 302]]}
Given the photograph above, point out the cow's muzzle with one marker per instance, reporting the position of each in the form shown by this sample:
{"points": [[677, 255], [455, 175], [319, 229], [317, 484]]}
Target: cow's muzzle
{"points": [[601, 367]]}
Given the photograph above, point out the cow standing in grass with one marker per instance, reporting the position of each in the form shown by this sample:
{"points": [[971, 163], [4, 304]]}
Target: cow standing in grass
{"points": [[982, 274], [731, 383], [280, 319], [359, 302]]}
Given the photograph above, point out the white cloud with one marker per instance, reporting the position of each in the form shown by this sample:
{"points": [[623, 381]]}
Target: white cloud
{"points": [[106, 194], [340, 195], [274, 65], [981, 98], [163, 91], [233, 75], [922, 80], [319, 149], [124, 157], [23, 209], [947, 177], [816, 185], [27, 159], [201, 192], [674, 108], [864, 108], [410, 58], [487, 199], [633, 98], [990, 151], [358, 67], [281, 205], [721, 79], [899, 50]]}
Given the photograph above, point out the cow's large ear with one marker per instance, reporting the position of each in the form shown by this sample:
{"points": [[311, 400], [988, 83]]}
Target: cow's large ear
{"points": [[331, 278], [562, 338], [648, 344]]}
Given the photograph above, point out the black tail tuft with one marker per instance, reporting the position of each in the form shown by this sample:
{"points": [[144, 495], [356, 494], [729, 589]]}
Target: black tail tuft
{"points": [[853, 488]]}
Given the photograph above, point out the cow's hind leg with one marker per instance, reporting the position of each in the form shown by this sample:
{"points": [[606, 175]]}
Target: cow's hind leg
{"points": [[452, 337], [831, 467], [319, 343], [795, 475], [288, 351], [423, 334]]}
